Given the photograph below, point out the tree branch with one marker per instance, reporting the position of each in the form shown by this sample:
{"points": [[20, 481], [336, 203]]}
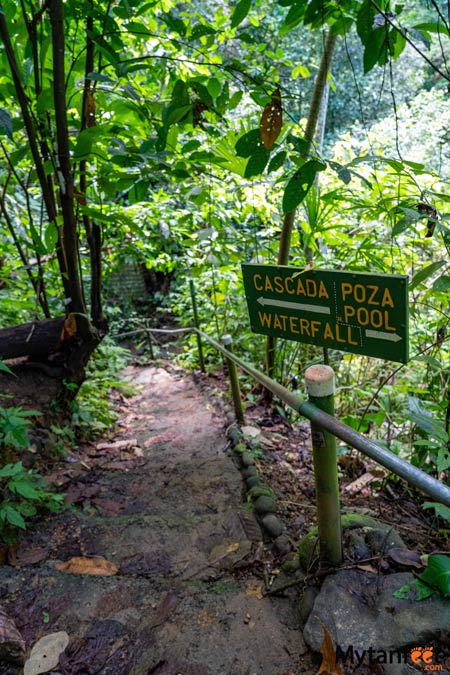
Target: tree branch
{"points": [[404, 33]]}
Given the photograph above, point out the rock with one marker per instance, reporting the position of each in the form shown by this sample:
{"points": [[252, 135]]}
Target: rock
{"points": [[247, 459], [291, 564], [283, 544], [273, 525], [359, 609], [234, 434], [250, 471], [368, 537], [259, 490], [252, 482], [306, 603], [382, 538], [265, 505], [357, 548]]}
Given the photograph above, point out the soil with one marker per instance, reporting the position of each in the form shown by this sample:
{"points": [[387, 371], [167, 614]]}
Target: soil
{"points": [[159, 567], [162, 504]]}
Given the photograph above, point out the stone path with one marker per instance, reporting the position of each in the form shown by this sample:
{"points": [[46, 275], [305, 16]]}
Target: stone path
{"points": [[185, 598]]}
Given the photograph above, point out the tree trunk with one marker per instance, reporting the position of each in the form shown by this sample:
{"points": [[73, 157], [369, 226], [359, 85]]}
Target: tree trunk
{"points": [[58, 349], [289, 217]]}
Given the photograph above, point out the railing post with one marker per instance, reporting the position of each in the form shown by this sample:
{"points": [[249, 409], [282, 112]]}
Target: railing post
{"points": [[149, 341], [320, 387], [196, 324], [227, 341]]}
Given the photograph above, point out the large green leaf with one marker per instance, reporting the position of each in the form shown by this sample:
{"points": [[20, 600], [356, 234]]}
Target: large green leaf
{"points": [[240, 12], [300, 184], [425, 273], [425, 421], [437, 573], [6, 123]]}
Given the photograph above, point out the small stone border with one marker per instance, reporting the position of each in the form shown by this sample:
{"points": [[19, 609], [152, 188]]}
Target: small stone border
{"points": [[260, 495]]}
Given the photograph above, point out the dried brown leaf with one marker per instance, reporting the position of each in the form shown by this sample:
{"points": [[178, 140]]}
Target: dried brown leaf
{"points": [[360, 483], [81, 565], [329, 665], [165, 609], [403, 556], [69, 328]]}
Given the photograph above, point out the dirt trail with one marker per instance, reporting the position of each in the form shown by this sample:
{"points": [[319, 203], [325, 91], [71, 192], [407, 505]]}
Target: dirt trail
{"points": [[185, 599]]}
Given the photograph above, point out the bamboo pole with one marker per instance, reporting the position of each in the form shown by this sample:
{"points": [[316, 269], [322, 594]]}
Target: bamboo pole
{"points": [[320, 387]]}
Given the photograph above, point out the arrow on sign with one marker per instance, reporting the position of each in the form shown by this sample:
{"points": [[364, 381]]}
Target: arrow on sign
{"points": [[294, 305], [381, 335]]}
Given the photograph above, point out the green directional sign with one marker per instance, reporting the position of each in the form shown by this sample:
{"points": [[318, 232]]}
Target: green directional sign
{"points": [[351, 311]]}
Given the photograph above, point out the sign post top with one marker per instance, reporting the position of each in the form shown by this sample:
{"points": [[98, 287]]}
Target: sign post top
{"points": [[350, 311]]}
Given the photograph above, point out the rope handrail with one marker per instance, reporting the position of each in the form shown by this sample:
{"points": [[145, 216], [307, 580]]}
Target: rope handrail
{"points": [[411, 474]]}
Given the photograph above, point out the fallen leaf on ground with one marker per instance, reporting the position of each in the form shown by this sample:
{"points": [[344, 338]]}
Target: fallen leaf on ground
{"points": [[129, 443], [254, 590], [46, 652], [251, 432], [12, 642], [222, 551], [329, 665], [80, 565], [165, 609], [17, 557], [367, 568], [403, 556], [360, 483]]}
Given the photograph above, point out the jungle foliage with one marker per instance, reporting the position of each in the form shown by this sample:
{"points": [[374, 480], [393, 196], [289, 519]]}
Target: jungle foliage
{"points": [[187, 137]]}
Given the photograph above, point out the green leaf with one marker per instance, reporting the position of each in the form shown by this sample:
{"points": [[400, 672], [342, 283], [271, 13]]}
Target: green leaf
{"points": [[437, 573], [14, 517], [249, 143], [277, 161], [10, 470], [6, 123], [240, 12], [425, 272], [257, 163], [439, 509], [425, 421], [199, 30], [175, 24], [51, 237], [442, 284], [24, 488], [4, 368], [214, 87], [300, 184]]}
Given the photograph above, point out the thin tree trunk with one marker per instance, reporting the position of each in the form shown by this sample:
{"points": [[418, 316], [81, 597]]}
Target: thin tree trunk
{"points": [[289, 217], [64, 169]]}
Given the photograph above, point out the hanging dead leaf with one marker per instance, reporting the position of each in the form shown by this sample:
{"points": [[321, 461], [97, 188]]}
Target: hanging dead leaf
{"points": [[69, 327], [46, 652], [329, 665], [80, 565], [271, 120]]}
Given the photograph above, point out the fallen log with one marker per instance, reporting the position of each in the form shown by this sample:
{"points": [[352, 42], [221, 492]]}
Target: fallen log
{"points": [[37, 339]]}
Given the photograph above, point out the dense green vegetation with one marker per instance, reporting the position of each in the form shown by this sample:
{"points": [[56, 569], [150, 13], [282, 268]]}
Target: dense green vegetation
{"points": [[186, 137]]}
